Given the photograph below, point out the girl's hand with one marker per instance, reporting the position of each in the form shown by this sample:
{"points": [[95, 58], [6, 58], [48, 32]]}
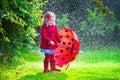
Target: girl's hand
{"points": [[61, 44], [51, 42]]}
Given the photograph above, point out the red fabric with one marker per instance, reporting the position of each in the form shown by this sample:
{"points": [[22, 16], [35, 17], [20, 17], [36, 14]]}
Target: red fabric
{"points": [[70, 49], [49, 57], [46, 63], [48, 34]]}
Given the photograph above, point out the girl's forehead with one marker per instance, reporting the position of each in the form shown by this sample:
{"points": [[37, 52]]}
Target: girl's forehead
{"points": [[52, 20]]}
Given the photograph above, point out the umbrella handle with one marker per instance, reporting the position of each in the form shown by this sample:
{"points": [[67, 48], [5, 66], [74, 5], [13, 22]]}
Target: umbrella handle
{"points": [[67, 66]]}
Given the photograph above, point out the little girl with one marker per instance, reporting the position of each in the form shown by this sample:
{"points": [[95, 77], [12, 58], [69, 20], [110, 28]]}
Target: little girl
{"points": [[49, 40]]}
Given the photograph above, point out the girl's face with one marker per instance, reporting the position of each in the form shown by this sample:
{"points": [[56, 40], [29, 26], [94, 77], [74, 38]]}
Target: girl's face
{"points": [[51, 22]]}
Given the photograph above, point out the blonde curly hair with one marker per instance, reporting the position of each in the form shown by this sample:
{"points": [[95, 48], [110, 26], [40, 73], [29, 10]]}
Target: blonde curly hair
{"points": [[48, 16]]}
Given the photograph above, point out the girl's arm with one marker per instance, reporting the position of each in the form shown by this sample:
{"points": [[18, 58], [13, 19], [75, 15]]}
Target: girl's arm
{"points": [[44, 34], [57, 35]]}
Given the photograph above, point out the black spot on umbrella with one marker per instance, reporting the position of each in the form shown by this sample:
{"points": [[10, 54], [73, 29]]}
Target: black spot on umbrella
{"points": [[64, 43], [67, 54], [66, 30], [67, 36], [72, 39], [61, 51], [69, 43], [67, 48], [62, 58], [60, 36]]}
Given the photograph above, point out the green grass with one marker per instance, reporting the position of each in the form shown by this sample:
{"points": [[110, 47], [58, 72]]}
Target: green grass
{"points": [[32, 55], [91, 64], [91, 55], [76, 71]]}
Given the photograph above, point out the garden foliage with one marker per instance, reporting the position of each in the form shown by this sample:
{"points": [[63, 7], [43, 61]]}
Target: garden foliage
{"points": [[18, 20]]}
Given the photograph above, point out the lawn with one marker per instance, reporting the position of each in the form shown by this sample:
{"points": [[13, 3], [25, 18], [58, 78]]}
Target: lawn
{"points": [[90, 64]]}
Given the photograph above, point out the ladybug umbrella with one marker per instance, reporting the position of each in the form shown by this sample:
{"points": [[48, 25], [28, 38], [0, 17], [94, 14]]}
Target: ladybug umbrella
{"points": [[70, 48]]}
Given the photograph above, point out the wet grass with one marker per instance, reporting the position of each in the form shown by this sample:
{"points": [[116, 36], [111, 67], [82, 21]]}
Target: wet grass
{"points": [[76, 71], [90, 64], [92, 55]]}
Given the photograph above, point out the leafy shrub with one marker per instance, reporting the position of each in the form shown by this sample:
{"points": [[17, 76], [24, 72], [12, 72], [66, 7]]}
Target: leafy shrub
{"points": [[63, 22], [96, 23], [18, 18], [97, 28]]}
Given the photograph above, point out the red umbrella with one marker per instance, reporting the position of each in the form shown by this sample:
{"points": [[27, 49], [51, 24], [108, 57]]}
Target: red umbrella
{"points": [[70, 48]]}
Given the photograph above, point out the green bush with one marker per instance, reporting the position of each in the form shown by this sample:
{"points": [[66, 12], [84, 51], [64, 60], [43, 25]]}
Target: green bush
{"points": [[63, 22], [19, 19], [96, 23], [97, 29]]}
